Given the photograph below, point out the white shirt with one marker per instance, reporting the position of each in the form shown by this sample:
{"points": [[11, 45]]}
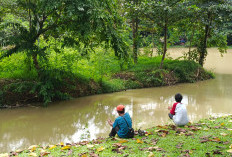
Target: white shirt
{"points": [[181, 117]]}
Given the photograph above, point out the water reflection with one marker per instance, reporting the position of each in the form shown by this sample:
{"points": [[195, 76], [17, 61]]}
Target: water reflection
{"points": [[85, 118]]}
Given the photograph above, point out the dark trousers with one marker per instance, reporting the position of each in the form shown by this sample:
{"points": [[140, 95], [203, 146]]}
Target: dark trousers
{"points": [[170, 115], [113, 131]]}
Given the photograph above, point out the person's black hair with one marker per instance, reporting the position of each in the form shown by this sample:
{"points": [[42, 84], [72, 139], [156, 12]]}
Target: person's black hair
{"points": [[178, 97], [123, 111]]}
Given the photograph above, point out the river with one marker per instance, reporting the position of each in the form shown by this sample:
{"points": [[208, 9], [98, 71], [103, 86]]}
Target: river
{"points": [[85, 118]]}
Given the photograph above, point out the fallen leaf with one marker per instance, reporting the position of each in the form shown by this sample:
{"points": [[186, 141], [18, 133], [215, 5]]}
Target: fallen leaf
{"points": [[181, 133], [122, 147], [93, 155], [117, 151], [84, 155], [163, 127], [217, 152], [193, 128], [179, 130], [19, 151], [153, 148], [100, 149], [33, 154], [223, 134], [52, 147], [222, 124], [227, 142], [189, 134], [151, 155], [33, 148], [220, 147], [44, 153], [117, 145], [203, 141], [173, 127], [66, 147], [229, 151], [61, 144], [216, 139], [230, 146], [217, 127], [89, 146], [139, 141], [123, 141], [84, 143], [206, 137]]}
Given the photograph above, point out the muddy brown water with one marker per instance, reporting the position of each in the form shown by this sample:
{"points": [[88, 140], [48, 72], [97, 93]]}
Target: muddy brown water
{"points": [[85, 118]]}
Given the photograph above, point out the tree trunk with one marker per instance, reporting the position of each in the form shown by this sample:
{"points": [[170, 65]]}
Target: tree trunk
{"points": [[36, 63], [135, 39], [165, 42], [190, 43], [203, 47], [153, 43]]}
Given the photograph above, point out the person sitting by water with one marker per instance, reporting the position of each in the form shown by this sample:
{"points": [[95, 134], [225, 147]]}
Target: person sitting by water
{"points": [[121, 124], [178, 111]]}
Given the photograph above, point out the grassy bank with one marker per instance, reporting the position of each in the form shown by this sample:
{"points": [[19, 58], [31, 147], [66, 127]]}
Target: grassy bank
{"points": [[60, 84], [207, 137]]}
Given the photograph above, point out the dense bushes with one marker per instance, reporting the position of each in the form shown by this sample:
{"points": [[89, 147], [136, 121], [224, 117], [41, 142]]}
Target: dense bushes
{"points": [[80, 76]]}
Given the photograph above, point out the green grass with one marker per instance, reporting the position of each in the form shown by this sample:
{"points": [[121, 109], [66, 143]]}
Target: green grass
{"points": [[208, 137]]}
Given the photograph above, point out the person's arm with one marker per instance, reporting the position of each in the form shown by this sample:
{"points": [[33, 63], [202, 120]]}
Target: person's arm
{"points": [[172, 111], [110, 122]]}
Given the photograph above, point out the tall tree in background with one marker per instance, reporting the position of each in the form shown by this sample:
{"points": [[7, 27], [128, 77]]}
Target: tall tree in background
{"points": [[132, 9], [213, 17], [165, 13], [77, 21]]}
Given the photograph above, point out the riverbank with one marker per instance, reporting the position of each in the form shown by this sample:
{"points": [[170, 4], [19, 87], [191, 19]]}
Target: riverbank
{"points": [[23, 92], [207, 137]]}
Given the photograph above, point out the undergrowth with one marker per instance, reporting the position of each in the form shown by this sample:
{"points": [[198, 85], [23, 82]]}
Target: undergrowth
{"points": [[65, 75]]}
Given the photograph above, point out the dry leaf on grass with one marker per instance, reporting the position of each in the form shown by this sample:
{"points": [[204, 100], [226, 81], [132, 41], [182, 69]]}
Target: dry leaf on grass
{"points": [[123, 141], [223, 134], [139, 141], [229, 151], [100, 149]]}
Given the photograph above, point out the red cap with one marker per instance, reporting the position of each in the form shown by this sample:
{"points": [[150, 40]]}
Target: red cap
{"points": [[120, 107]]}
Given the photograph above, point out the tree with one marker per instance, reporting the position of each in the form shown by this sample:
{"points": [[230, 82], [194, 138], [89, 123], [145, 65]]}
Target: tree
{"points": [[165, 13], [213, 17], [132, 10], [75, 21]]}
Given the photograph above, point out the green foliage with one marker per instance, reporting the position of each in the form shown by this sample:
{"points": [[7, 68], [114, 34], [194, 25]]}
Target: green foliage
{"points": [[18, 66], [112, 85], [192, 55], [186, 71]]}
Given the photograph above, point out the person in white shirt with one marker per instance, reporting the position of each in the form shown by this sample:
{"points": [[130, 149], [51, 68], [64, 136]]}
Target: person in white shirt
{"points": [[178, 112]]}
